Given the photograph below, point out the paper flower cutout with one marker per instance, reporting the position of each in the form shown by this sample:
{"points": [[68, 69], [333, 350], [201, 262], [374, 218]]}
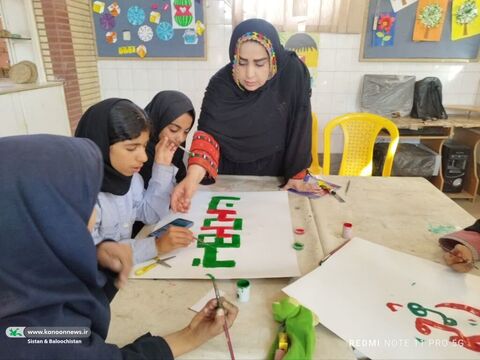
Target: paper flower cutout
{"points": [[384, 28]]}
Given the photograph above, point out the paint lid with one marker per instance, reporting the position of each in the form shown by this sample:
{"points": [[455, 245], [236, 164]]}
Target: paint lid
{"points": [[298, 246], [299, 231]]}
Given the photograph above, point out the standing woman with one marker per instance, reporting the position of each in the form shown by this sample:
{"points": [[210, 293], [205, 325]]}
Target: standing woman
{"points": [[49, 273], [256, 115], [121, 131]]}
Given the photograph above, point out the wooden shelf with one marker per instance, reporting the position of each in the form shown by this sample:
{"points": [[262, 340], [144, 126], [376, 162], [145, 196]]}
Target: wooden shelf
{"points": [[14, 38], [460, 195]]}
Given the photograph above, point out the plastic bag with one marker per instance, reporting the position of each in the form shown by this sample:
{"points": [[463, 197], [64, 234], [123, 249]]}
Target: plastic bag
{"points": [[427, 100], [387, 95]]}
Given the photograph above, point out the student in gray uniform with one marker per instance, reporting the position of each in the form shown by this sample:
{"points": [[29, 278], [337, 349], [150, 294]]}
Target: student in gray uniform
{"points": [[121, 131]]}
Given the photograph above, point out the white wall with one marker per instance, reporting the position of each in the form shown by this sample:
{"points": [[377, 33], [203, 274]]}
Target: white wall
{"points": [[337, 87]]}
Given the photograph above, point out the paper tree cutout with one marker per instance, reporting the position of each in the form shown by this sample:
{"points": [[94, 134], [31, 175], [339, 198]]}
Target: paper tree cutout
{"points": [[429, 20], [430, 17], [466, 14]]}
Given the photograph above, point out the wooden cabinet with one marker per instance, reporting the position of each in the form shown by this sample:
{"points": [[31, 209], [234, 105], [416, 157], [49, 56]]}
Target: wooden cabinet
{"points": [[433, 133], [34, 109]]}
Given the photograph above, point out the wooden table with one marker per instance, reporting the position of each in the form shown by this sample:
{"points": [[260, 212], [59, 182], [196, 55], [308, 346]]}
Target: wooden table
{"points": [[161, 306], [405, 214], [398, 212]]}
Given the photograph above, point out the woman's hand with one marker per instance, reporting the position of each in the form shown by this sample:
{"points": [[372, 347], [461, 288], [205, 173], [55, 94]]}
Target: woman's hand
{"points": [[184, 191], [175, 237], [164, 151], [460, 258], [116, 257], [302, 186], [205, 325]]}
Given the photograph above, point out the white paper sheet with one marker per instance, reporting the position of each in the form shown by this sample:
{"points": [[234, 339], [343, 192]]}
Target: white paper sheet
{"points": [[350, 291], [266, 238], [398, 5]]}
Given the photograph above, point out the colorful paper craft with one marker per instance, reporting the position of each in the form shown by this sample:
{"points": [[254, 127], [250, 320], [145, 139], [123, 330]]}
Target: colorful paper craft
{"points": [[385, 31], [155, 17], [98, 7], [465, 19], [183, 14], [145, 33], [107, 21], [114, 9], [136, 15], [429, 20], [111, 37], [141, 51]]}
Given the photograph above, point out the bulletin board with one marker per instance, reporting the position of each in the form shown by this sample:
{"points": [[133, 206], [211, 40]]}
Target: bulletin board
{"points": [[149, 29], [401, 47]]}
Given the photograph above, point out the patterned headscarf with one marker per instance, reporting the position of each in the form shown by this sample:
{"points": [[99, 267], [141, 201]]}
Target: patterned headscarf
{"points": [[262, 40]]}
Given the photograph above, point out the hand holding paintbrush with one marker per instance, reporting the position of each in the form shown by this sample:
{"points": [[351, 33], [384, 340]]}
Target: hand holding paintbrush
{"points": [[460, 258]]}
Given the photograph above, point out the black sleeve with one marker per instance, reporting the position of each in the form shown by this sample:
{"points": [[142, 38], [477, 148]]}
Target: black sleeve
{"points": [[299, 137], [147, 347]]}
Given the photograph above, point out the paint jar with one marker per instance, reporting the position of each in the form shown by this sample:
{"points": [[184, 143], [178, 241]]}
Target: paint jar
{"points": [[347, 232], [243, 290]]}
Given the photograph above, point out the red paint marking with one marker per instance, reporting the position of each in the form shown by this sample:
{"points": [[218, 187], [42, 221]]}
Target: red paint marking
{"points": [[219, 230], [467, 308], [392, 306], [222, 214], [299, 231], [468, 342]]}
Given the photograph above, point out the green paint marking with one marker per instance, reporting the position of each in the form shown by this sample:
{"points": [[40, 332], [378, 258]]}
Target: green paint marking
{"points": [[196, 262], [419, 310], [208, 221], [213, 204], [419, 340], [441, 229], [217, 241], [238, 224], [210, 260], [229, 204]]}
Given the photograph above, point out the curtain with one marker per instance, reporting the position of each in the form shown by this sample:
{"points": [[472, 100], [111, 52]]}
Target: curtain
{"points": [[333, 16]]}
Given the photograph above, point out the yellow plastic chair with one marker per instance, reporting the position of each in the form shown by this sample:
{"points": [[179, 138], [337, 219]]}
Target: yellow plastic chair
{"points": [[315, 168], [360, 131]]}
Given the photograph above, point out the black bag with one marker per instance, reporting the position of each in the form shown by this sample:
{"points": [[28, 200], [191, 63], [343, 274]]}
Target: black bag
{"points": [[427, 100]]}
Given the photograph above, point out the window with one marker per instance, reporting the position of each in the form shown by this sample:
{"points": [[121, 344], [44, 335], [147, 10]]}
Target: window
{"points": [[335, 16]]}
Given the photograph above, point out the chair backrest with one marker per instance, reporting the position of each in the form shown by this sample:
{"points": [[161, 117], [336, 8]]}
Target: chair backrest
{"points": [[315, 168], [360, 131]]}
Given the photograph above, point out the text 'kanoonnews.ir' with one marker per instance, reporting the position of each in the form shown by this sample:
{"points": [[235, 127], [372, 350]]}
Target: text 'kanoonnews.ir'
{"points": [[49, 334]]}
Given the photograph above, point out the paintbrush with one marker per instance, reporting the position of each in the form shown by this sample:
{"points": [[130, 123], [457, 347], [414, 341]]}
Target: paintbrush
{"points": [[191, 154], [225, 325], [458, 257], [204, 243], [346, 189], [333, 252]]}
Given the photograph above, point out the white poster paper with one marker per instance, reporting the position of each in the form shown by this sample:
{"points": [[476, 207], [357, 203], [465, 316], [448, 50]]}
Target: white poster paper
{"points": [[245, 235], [398, 5], [391, 305]]}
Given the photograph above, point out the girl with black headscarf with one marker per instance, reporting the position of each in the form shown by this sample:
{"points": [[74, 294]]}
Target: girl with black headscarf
{"points": [[257, 110], [172, 116], [121, 131], [48, 263]]}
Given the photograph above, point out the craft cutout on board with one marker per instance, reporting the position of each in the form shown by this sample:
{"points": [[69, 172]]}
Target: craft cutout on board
{"points": [[183, 14], [305, 46], [414, 308], [385, 30], [465, 19], [398, 5], [235, 232], [429, 20]]}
